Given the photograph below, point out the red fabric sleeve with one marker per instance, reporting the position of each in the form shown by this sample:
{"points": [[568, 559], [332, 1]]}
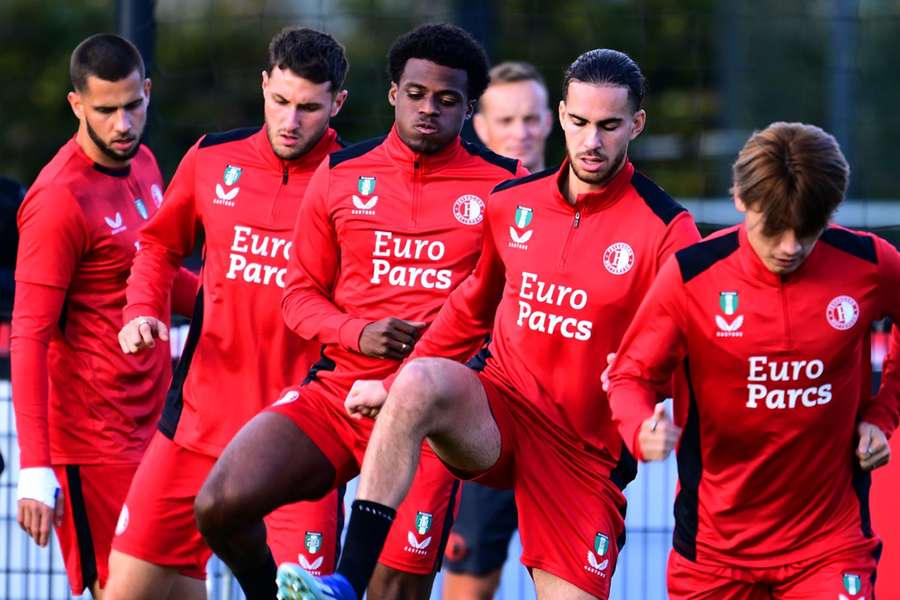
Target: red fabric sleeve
{"points": [[164, 242], [184, 292], [653, 346], [681, 233], [883, 410], [313, 266], [53, 235], [468, 315], [36, 312]]}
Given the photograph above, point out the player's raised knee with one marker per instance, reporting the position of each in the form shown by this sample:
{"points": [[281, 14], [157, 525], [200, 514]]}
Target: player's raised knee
{"points": [[424, 382], [212, 507]]}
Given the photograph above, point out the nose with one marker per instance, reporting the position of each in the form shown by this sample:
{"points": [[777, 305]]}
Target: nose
{"points": [[123, 121], [429, 105], [789, 243]]}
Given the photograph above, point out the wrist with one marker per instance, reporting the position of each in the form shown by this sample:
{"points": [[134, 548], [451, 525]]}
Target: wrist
{"points": [[38, 483]]}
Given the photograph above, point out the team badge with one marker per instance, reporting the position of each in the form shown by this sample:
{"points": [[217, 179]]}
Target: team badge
{"points": [[366, 185], [313, 541], [729, 302], [842, 313], [141, 208], [469, 209], [618, 258], [852, 583], [601, 544], [232, 174], [423, 522], [156, 193], [523, 216]]}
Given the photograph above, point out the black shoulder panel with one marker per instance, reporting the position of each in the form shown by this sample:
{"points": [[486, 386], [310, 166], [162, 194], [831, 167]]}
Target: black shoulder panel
{"points": [[342, 142], [661, 203], [214, 139], [510, 164], [336, 158], [860, 246], [520, 180], [695, 259]]}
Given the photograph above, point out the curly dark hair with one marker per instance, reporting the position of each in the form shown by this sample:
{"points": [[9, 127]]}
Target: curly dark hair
{"points": [[446, 45], [311, 54]]}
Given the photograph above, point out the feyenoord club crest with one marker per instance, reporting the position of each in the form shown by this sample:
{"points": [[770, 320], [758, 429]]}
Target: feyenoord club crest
{"points": [[469, 209], [232, 174], [601, 544], [852, 583], [141, 208], [729, 302], [842, 312], [423, 522], [313, 541], [366, 185], [523, 217], [618, 258]]}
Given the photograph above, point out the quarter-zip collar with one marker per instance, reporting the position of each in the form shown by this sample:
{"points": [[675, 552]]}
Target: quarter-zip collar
{"points": [[308, 161], [754, 266], [409, 160], [592, 201]]}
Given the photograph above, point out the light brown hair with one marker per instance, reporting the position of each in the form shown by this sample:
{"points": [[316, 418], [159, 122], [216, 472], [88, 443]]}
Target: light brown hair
{"points": [[795, 174]]}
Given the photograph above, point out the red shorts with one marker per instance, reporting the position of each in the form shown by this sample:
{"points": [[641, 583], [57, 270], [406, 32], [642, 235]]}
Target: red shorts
{"points": [[571, 517], [846, 574], [417, 539], [93, 495], [157, 521]]}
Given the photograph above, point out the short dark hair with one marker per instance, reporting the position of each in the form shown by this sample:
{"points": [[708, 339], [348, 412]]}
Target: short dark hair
{"points": [[795, 174], [311, 54], [446, 45], [514, 72], [104, 55], [610, 67]]}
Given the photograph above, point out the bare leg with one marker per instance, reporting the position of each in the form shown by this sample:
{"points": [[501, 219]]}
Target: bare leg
{"points": [[432, 398], [269, 463], [131, 578], [391, 584], [551, 587], [459, 586]]}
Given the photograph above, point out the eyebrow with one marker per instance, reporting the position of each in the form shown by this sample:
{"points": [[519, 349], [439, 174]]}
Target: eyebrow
{"points": [[413, 84], [609, 121], [130, 104]]}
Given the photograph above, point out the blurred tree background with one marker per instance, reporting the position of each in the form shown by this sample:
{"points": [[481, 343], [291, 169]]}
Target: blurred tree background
{"points": [[716, 71]]}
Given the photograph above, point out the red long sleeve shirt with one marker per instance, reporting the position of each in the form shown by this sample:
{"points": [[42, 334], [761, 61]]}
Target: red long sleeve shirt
{"points": [[563, 281], [384, 231], [78, 399], [774, 369], [239, 354]]}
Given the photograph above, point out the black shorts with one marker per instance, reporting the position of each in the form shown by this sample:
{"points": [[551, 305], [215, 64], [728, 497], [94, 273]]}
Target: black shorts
{"points": [[480, 537]]}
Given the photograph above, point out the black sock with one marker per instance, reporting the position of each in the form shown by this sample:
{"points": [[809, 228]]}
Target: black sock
{"points": [[369, 525], [258, 583]]}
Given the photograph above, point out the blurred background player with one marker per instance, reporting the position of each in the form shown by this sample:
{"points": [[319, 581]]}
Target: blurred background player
{"points": [[513, 117], [85, 413], [513, 120], [387, 229], [520, 421], [770, 320], [241, 190]]}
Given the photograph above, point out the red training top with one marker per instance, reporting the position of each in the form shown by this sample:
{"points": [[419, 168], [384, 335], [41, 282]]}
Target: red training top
{"points": [[775, 370], [384, 231], [564, 281], [244, 199], [78, 229]]}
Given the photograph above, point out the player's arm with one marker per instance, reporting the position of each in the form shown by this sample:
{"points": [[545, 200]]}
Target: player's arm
{"points": [[680, 233], [164, 242], [880, 415], [313, 267], [651, 350], [53, 236], [184, 292]]}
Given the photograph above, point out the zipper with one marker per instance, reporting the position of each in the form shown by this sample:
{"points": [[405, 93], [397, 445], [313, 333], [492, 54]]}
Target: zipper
{"points": [[417, 189], [565, 250], [785, 313], [284, 176]]}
